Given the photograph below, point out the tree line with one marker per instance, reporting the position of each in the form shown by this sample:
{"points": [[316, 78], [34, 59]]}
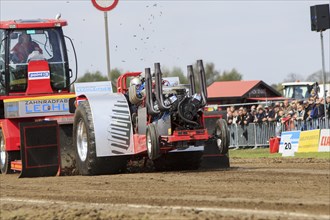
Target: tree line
{"points": [[212, 75]]}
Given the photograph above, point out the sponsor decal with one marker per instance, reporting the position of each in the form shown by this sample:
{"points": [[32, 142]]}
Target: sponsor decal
{"points": [[12, 108], [94, 87], [43, 106], [39, 75]]}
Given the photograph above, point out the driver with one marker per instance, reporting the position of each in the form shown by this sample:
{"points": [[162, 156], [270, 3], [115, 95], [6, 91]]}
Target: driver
{"points": [[23, 48]]}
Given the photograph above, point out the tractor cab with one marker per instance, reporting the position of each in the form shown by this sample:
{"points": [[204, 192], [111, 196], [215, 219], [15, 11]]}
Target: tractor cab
{"points": [[33, 57], [35, 81]]}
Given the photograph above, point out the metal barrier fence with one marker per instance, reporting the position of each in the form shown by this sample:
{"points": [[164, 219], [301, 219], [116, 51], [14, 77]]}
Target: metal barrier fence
{"points": [[256, 135]]}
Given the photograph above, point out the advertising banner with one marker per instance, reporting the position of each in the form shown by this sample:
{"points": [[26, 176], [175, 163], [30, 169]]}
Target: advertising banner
{"points": [[324, 143], [309, 141], [289, 143]]}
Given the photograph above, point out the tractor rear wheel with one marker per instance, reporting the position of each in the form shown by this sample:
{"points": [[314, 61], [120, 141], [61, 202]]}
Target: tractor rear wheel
{"points": [[85, 147], [152, 139], [222, 136], [6, 157], [179, 161]]}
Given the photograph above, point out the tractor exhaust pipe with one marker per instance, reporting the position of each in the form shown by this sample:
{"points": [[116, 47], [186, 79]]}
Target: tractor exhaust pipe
{"points": [[159, 88], [150, 103], [191, 78], [202, 82]]}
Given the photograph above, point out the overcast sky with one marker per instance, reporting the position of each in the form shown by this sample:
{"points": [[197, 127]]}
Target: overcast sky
{"points": [[263, 40]]}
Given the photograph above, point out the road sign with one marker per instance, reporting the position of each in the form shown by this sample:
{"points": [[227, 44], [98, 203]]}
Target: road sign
{"points": [[105, 5]]}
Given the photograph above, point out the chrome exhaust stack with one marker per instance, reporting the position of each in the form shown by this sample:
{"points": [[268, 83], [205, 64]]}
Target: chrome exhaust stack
{"points": [[202, 79], [191, 78], [150, 103], [159, 89]]}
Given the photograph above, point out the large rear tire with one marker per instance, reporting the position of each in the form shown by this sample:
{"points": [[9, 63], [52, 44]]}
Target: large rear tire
{"points": [[85, 147], [179, 161], [222, 136], [6, 157]]}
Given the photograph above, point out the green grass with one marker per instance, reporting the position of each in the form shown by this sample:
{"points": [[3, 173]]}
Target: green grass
{"points": [[264, 153]]}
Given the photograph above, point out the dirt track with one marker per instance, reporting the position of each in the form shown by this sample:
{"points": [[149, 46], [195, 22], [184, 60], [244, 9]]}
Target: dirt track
{"points": [[250, 189]]}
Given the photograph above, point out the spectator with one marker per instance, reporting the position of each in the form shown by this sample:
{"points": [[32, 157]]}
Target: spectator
{"points": [[293, 106], [320, 105], [300, 117], [260, 116], [235, 116], [240, 117], [314, 110], [274, 112], [266, 111], [253, 114], [248, 118], [229, 118], [285, 105], [300, 114], [232, 109], [279, 121]]}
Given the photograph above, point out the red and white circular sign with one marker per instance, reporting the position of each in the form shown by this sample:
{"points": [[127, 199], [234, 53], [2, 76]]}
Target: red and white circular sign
{"points": [[105, 5]]}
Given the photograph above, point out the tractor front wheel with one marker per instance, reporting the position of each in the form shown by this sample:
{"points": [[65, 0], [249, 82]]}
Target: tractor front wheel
{"points": [[152, 139]]}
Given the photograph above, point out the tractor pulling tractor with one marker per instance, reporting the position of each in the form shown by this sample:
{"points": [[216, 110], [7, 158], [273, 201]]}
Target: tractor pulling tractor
{"points": [[166, 124], [46, 130]]}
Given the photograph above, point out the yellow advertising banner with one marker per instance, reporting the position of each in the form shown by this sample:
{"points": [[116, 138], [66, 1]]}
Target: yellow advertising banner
{"points": [[309, 141]]}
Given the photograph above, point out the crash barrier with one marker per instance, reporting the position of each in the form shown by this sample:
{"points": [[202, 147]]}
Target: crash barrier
{"points": [[256, 135], [251, 135]]}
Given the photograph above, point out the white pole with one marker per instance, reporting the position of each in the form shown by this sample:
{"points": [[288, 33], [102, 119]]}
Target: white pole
{"points": [[324, 82], [107, 43]]}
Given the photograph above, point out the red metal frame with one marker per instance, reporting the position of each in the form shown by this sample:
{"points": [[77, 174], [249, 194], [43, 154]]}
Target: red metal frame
{"points": [[122, 80], [11, 135], [139, 143], [187, 135]]}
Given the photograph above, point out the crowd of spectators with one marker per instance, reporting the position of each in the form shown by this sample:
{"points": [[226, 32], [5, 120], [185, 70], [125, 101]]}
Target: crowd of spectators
{"points": [[289, 113]]}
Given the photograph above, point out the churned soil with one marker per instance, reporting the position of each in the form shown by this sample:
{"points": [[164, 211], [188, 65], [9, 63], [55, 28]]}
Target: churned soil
{"points": [[263, 188]]}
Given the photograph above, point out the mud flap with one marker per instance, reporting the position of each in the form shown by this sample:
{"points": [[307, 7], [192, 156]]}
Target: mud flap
{"points": [[40, 153], [212, 159]]}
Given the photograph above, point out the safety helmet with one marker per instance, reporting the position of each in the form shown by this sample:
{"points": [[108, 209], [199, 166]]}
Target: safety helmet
{"points": [[135, 81]]}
